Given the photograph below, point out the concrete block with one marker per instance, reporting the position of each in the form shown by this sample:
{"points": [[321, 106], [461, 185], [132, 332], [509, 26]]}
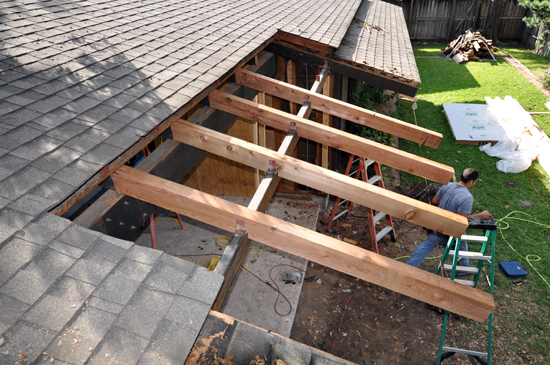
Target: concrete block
{"points": [[77, 342], [144, 312], [202, 285], [60, 303], [143, 254], [26, 339], [119, 347], [90, 271], [79, 237], [188, 312], [15, 254], [171, 343]]}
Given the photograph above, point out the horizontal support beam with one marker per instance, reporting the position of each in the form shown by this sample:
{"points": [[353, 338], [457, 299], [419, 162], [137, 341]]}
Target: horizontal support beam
{"points": [[334, 183], [296, 240], [332, 137], [339, 108], [389, 82]]}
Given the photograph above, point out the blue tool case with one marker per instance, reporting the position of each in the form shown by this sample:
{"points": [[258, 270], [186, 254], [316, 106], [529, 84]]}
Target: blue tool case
{"points": [[512, 269]]}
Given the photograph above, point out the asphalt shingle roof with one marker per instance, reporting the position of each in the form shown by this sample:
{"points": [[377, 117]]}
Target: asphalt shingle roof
{"points": [[387, 50], [81, 81]]}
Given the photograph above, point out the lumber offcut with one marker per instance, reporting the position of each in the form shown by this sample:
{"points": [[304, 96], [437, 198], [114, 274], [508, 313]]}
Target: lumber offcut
{"points": [[333, 137], [322, 179], [341, 109], [277, 233]]}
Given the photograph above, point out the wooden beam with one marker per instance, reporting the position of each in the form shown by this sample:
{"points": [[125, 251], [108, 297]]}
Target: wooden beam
{"points": [[334, 183], [313, 246], [334, 138], [340, 109]]}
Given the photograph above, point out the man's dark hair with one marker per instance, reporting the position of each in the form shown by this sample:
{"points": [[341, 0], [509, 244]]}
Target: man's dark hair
{"points": [[469, 174]]}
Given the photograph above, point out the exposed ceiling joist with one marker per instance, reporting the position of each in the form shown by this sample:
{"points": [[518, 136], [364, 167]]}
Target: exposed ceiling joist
{"points": [[332, 137], [327, 251], [339, 108], [321, 179]]}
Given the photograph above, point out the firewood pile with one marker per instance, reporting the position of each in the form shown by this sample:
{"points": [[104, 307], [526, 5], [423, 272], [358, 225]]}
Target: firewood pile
{"points": [[470, 46]]}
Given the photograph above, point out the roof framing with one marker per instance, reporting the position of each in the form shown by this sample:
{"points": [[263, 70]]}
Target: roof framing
{"points": [[327, 251]]}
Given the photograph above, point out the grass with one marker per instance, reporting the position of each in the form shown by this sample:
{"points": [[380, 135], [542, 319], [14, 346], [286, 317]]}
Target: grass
{"points": [[523, 240]]}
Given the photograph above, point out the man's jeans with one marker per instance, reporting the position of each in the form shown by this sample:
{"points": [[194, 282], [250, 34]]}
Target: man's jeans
{"points": [[427, 246]]}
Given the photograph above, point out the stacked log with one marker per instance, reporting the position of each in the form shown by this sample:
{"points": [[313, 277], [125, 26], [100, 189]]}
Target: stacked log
{"points": [[470, 46]]}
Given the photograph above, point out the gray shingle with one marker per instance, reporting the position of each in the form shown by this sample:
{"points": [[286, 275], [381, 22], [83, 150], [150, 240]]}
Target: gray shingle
{"points": [[102, 154], [66, 249], [146, 122], [32, 204], [21, 182], [90, 271], [55, 118], [53, 189], [77, 173], [25, 338], [131, 269], [105, 305], [125, 137], [143, 254], [171, 343], [11, 310], [15, 254], [25, 98], [202, 285], [56, 160], [79, 237], [31, 283], [60, 303], [188, 312], [11, 221], [109, 125], [101, 250], [76, 343], [36, 148], [166, 278], [66, 131], [87, 140], [119, 346], [48, 104], [81, 104], [126, 116], [18, 136], [117, 242], [44, 229]]}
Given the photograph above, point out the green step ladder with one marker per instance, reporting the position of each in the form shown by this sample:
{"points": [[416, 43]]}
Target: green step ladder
{"points": [[453, 249]]}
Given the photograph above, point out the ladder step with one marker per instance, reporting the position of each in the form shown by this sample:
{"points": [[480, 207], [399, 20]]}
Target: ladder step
{"points": [[379, 216], [374, 179], [468, 269], [383, 233], [342, 202], [466, 352], [465, 282], [469, 238], [368, 162], [471, 255]]}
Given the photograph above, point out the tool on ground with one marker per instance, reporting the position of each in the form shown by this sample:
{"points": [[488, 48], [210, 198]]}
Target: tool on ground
{"points": [[361, 173], [521, 282], [453, 249], [292, 277]]}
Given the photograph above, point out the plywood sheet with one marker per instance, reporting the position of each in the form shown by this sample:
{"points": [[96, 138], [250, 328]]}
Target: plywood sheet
{"points": [[469, 125]]}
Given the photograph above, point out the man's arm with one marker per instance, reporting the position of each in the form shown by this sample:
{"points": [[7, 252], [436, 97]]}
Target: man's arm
{"points": [[484, 214], [436, 200]]}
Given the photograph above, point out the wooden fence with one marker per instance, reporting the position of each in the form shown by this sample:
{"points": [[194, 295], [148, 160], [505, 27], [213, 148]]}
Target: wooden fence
{"points": [[433, 20]]}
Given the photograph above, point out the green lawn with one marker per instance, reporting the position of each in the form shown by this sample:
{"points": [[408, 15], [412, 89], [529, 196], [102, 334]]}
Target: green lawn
{"points": [[521, 240]]}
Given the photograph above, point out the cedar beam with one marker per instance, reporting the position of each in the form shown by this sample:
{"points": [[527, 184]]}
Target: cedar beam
{"points": [[335, 138], [313, 246], [346, 187], [340, 109]]}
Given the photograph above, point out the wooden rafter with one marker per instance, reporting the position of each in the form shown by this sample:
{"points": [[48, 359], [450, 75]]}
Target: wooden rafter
{"points": [[339, 108], [332, 137], [352, 260], [322, 179]]}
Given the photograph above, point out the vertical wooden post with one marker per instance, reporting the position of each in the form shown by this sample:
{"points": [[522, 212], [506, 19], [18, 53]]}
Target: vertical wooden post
{"points": [[409, 23], [327, 91], [476, 19]]}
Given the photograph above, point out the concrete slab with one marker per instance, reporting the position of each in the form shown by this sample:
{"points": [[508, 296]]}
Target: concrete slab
{"points": [[250, 299]]}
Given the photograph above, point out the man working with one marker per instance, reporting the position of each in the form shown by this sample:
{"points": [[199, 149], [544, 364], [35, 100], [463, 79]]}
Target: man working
{"points": [[456, 198]]}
